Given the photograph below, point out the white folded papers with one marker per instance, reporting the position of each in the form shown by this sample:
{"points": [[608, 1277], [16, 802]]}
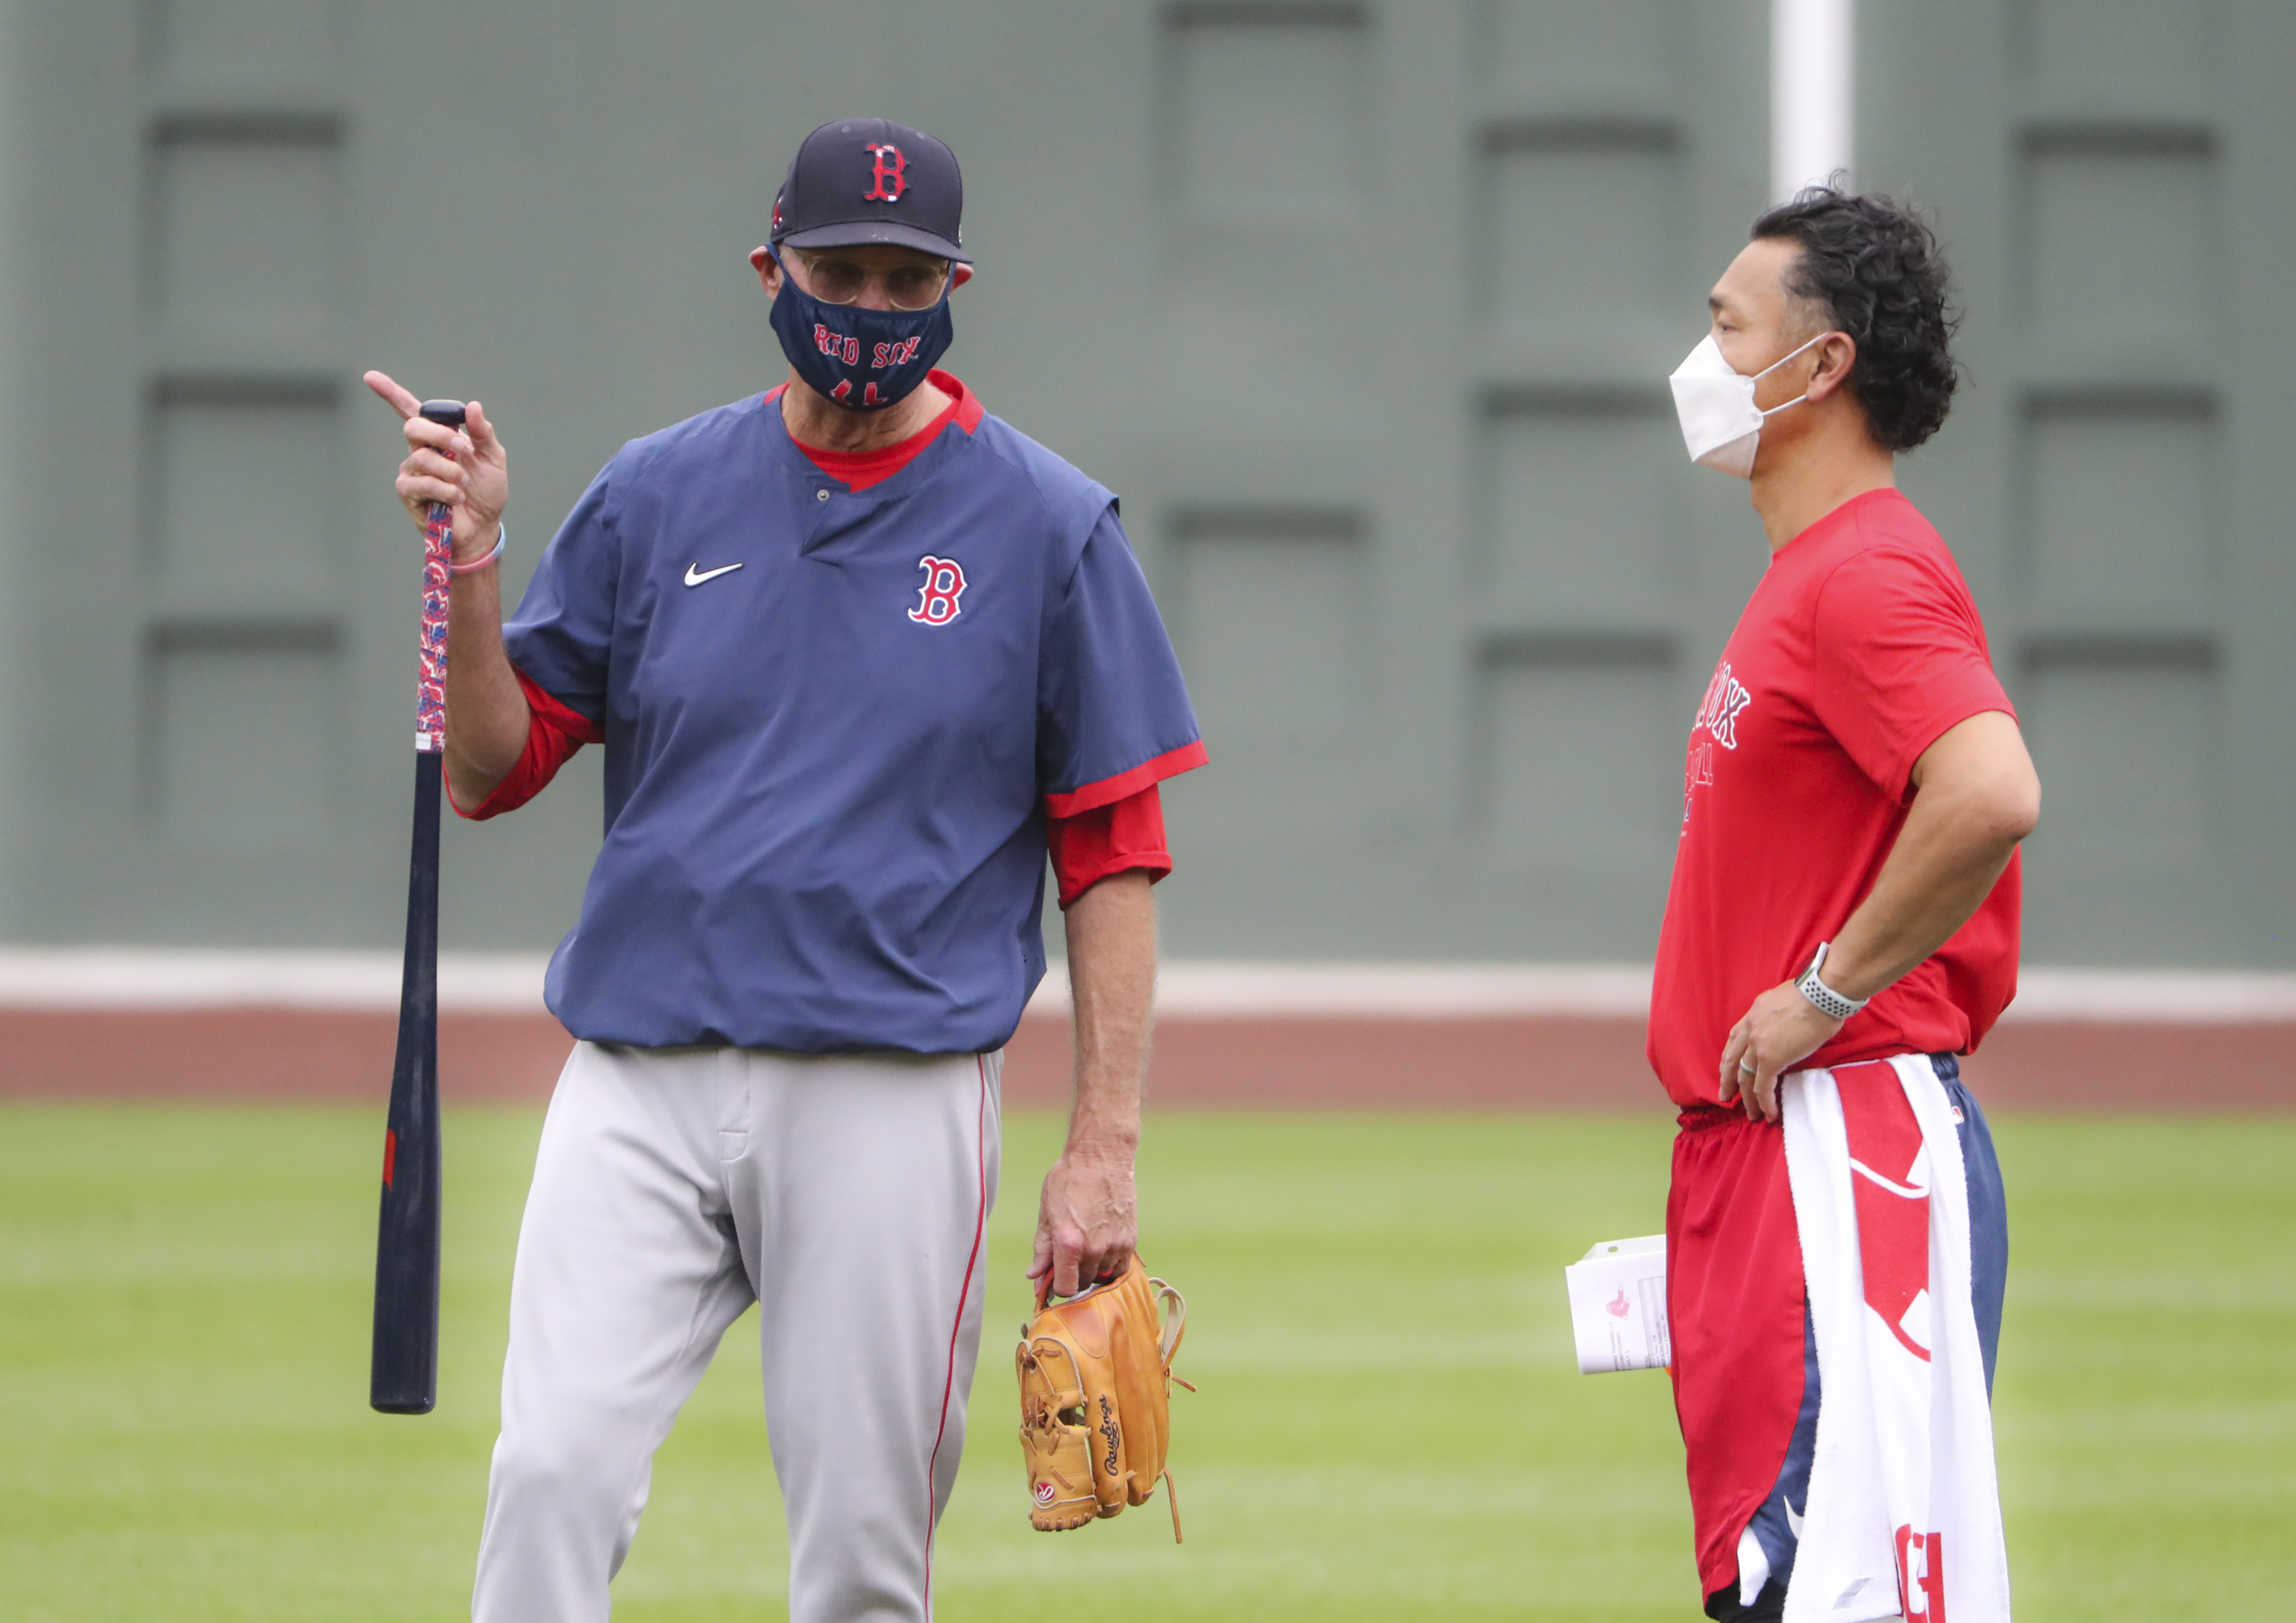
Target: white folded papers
{"points": [[1618, 1306]]}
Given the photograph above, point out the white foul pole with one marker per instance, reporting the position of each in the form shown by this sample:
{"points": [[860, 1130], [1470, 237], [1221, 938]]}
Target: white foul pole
{"points": [[1811, 82]]}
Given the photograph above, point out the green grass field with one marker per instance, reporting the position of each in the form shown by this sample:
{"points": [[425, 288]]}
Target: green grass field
{"points": [[1389, 1425]]}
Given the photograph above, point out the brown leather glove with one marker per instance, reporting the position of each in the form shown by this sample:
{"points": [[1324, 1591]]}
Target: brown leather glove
{"points": [[1095, 1417]]}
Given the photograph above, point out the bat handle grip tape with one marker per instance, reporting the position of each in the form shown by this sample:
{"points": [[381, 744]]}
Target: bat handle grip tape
{"points": [[431, 686], [437, 571]]}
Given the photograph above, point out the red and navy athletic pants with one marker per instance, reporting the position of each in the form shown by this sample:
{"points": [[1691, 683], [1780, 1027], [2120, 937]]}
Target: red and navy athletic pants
{"points": [[1745, 1357]]}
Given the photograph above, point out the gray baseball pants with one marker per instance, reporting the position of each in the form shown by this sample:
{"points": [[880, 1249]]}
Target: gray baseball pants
{"points": [[849, 1196]]}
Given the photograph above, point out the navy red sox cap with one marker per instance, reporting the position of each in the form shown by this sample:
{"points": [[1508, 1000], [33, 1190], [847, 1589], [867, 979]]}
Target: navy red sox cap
{"points": [[870, 180]]}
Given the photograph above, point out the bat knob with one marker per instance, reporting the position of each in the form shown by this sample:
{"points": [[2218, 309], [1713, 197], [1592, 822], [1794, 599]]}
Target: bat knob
{"points": [[449, 412]]}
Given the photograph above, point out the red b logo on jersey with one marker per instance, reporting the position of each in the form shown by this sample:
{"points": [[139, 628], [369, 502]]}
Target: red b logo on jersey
{"points": [[936, 599], [888, 174]]}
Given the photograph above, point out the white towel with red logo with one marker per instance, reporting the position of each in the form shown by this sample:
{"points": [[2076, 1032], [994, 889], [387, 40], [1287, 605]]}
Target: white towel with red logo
{"points": [[1904, 1518]]}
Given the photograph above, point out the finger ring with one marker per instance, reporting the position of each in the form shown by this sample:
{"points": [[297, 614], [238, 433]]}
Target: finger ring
{"points": [[1747, 1066]]}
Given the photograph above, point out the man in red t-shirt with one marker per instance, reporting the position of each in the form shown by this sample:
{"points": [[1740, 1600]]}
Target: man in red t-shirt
{"points": [[1846, 886]]}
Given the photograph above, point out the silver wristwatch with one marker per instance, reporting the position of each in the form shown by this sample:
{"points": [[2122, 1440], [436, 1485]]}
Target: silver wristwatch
{"points": [[1823, 998]]}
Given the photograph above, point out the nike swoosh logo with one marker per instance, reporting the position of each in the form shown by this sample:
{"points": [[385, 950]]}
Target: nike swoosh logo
{"points": [[1793, 1520], [695, 574]]}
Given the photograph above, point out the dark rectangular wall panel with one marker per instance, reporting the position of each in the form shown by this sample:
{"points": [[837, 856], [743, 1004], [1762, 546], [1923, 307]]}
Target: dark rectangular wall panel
{"points": [[246, 227], [2122, 502], [1582, 526], [1273, 616], [1581, 753], [247, 498], [2127, 740], [1266, 117], [220, 41], [1567, 51], [2125, 241], [242, 735], [1587, 231], [2118, 49]]}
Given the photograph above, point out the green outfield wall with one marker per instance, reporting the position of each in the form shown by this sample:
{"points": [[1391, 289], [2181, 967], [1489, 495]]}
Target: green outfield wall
{"points": [[1365, 309]]}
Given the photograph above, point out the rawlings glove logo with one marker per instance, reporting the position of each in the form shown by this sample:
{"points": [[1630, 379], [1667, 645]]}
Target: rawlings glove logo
{"points": [[1108, 1430]]}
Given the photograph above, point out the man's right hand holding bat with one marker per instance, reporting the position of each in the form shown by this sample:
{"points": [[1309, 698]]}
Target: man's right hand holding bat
{"points": [[487, 715]]}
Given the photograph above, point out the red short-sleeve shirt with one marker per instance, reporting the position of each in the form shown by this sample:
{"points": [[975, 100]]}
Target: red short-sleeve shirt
{"points": [[1859, 649]]}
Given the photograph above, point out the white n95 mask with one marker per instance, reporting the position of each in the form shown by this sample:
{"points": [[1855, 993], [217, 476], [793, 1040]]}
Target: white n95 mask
{"points": [[1715, 403]]}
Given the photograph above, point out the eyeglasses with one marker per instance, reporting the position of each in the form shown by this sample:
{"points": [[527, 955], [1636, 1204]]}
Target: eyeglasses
{"points": [[911, 286]]}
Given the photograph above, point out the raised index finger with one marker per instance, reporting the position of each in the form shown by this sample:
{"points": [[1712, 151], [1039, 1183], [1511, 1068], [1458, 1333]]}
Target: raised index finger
{"points": [[393, 394]]}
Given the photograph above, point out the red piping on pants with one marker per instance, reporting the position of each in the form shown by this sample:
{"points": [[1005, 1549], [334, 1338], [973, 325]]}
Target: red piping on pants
{"points": [[956, 1325]]}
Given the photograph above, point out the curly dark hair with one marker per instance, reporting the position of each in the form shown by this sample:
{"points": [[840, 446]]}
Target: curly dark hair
{"points": [[1870, 266]]}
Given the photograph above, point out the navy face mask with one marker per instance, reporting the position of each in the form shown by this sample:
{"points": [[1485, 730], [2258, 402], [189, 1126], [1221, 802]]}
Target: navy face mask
{"points": [[865, 359]]}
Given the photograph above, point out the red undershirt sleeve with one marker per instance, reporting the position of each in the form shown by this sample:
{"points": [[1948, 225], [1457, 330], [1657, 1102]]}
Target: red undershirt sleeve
{"points": [[554, 732], [1108, 839]]}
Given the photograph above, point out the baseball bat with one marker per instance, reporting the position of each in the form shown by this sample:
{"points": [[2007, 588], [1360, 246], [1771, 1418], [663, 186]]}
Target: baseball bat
{"points": [[403, 1378]]}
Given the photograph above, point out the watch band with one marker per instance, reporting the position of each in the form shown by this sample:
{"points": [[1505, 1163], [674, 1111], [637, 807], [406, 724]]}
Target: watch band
{"points": [[1823, 998]]}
